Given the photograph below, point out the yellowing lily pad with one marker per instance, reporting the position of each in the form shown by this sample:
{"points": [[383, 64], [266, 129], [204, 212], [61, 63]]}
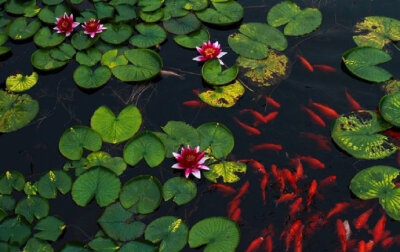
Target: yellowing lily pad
{"points": [[223, 96], [21, 83], [228, 171]]}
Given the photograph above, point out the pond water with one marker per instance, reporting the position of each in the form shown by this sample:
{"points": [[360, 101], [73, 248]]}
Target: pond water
{"points": [[33, 150]]}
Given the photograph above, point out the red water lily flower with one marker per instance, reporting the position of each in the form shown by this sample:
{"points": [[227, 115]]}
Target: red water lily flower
{"points": [[209, 51], [92, 27], [191, 160], [65, 24]]}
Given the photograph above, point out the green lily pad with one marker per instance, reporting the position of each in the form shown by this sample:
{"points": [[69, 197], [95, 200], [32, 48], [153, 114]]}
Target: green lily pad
{"points": [[195, 5], [150, 5], [8, 248], [223, 96], [103, 244], [11, 180], [170, 231], [116, 33], [143, 192], [362, 61], [178, 133], [391, 203], [145, 145], [21, 83], [77, 138], [376, 31], [174, 9], [191, 40], [217, 233], [63, 52], [89, 58], [104, 10], [254, 40], [265, 72], [114, 58], [86, 78], [52, 2], [145, 64], [151, 17], [32, 207], [47, 38], [7, 203], [42, 60], [298, 22], [228, 171], [116, 129], [119, 223], [389, 106], [74, 248], [213, 74], [21, 7], [223, 13], [137, 246], [20, 29], [15, 231], [149, 35], [182, 25], [81, 41], [50, 228], [180, 190], [357, 133], [34, 245], [125, 12], [49, 14], [54, 181], [96, 183], [16, 111], [30, 189], [217, 137], [85, 15]]}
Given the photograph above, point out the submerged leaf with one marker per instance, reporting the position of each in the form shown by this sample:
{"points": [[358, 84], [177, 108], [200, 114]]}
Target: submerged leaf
{"points": [[223, 96], [228, 171]]}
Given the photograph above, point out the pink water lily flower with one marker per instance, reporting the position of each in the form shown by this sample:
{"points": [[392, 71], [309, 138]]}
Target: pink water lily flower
{"points": [[209, 51], [92, 27], [65, 24], [190, 160]]}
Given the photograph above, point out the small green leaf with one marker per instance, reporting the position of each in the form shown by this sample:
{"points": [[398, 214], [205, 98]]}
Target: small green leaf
{"points": [[63, 53], [15, 231], [191, 40], [89, 58], [33, 207], [50, 228], [47, 38], [217, 137], [224, 13], [179, 189], [54, 181], [35, 245], [86, 78], [116, 33], [11, 180], [389, 106], [213, 74], [114, 58], [20, 29], [103, 244], [149, 35], [145, 145], [81, 41], [137, 246], [182, 25]]}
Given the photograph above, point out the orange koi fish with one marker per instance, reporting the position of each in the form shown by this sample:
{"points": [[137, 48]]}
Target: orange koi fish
{"points": [[263, 186], [258, 166], [195, 92], [233, 205], [292, 232], [365, 246], [278, 177], [243, 190], [266, 146], [268, 118], [312, 162], [327, 181], [325, 68], [236, 215], [295, 207], [361, 221], [271, 101], [269, 245], [321, 140], [255, 244], [387, 242], [299, 168], [224, 189], [338, 208], [325, 110], [194, 104], [288, 175], [298, 240], [314, 117], [305, 63], [353, 103], [285, 197], [258, 117], [341, 232], [312, 190], [379, 229], [249, 130]]}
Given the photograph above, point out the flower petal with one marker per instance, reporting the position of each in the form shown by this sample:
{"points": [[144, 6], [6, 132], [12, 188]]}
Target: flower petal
{"points": [[221, 54], [177, 166], [201, 161], [196, 173], [187, 173], [176, 155], [200, 58], [204, 167]]}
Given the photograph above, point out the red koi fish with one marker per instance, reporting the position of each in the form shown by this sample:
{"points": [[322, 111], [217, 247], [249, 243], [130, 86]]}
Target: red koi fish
{"points": [[263, 186], [379, 229], [387, 242], [392, 133], [292, 232], [195, 92], [268, 118], [233, 205], [258, 117], [338, 208], [325, 110], [314, 117], [361, 221], [194, 104], [299, 168], [312, 190], [295, 207], [328, 181], [312, 162], [249, 130], [255, 244], [365, 246], [305, 63], [256, 165], [271, 101], [278, 177], [243, 190], [298, 240], [224, 189], [236, 215], [285, 197], [266, 146], [288, 175], [269, 245], [341, 232], [325, 68], [353, 103], [321, 140]]}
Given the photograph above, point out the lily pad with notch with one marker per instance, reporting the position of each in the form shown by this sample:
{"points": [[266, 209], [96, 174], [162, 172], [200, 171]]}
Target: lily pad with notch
{"points": [[11, 180], [50, 228], [89, 58], [213, 74], [191, 40], [182, 25], [217, 137], [149, 35], [63, 52], [224, 13], [145, 146], [46, 38], [86, 78], [21, 29], [42, 60], [227, 170], [81, 41], [116, 34], [32, 207], [389, 106], [114, 58], [21, 83], [54, 181], [180, 190]]}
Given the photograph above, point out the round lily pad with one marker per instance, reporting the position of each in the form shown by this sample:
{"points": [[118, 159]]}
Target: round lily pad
{"points": [[191, 40], [16, 111], [147, 146], [21, 83], [137, 246], [47, 38], [103, 159], [180, 190], [102, 244], [195, 5], [213, 74], [49, 228], [113, 58], [174, 9], [182, 25], [34, 245], [77, 138], [151, 17], [357, 133], [144, 65], [217, 233], [226, 170], [217, 137], [33, 207], [363, 61], [150, 5], [63, 52], [15, 231], [42, 60], [254, 40], [20, 29], [223, 13], [116, 129], [170, 231], [149, 35], [85, 77], [389, 107], [96, 183], [223, 96], [81, 41], [49, 14], [116, 33], [54, 181], [143, 192], [89, 58], [11, 180], [17, 7]]}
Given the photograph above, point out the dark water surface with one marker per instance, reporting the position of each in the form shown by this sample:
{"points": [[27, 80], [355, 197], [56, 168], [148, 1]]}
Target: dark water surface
{"points": [[33, 150]]}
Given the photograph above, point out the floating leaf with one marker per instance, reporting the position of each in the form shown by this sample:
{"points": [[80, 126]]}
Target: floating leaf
{"points": [[298, 22], [116, 33], [147, 146], [96, 183], [137, 246], [15, 231], [223, 96], [152, 17], [120, 224], [81, 41], [149, 35], [63, 53], [54, 181], [265, 72], [32, 207], [191, 40], [195, 5], [254, 40], [181, 190], [174, 9], [34, 245], [389, 106], [362, 61], [125, 13], [11, 180], [216, 136], [47, 38], [104, 10], [103, 159], [19, 7], [48, 14], [50, 228], [143, 192], [89, 58], [16, 111], [42, 60], [391, 86], [113, 58], [226, 170], [223, 13], [7, 203], [20, 29], [85, 77], [182, 25], [377, 31], [52, 2], [150, 5], [171, 231], [357, 134], [213, 74], [103, 244], [217, 233], [77, 138], [116, 129]]}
